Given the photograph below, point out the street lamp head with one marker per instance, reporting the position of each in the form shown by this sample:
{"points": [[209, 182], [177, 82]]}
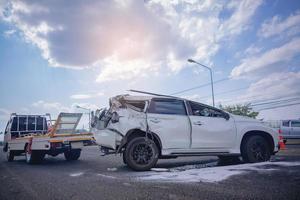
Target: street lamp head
{"points": [[191, 60]]}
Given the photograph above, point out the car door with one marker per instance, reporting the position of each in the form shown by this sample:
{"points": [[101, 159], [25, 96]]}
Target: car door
{"points": [[168, 119], [295, 128], [210, 129]]}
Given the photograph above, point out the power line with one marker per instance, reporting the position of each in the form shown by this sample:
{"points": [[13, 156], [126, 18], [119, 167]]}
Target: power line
{"points": [[199, 86], [277, 101], [279, 106], [226, 92]]}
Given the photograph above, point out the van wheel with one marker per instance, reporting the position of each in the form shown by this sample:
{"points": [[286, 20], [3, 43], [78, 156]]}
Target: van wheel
{"points": [[10, 155], [72, 154], [141, 154], [256, 149], [34, 156]]}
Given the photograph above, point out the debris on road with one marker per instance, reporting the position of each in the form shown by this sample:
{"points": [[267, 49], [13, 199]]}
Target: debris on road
{"points": [[211, 174], [112, 169], [76, 174]]}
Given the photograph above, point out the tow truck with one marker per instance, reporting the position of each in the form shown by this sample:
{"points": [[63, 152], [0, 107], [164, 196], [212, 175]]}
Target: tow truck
{"points": [[36, 135]]}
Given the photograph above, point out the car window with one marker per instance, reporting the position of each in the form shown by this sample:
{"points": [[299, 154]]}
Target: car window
{"points": [[201, 110], [295, 124], [167, 106], [286, 123]]}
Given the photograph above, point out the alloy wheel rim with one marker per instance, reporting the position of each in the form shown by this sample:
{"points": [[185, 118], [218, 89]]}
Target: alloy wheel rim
{"points": [[258, 150], [142, 154]]}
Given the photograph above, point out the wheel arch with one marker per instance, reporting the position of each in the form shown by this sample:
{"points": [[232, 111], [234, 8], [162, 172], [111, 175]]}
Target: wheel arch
{"points": [[267, 136], [133, 133]]}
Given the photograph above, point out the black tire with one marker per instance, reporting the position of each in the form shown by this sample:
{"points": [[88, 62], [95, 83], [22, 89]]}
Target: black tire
{"points": [[34, 156], [10, 155], [72, 154], [141, 154], [256, 149], [124, 159]]}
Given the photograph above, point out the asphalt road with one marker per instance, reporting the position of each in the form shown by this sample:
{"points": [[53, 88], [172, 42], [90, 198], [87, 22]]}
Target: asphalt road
{"points": [[96, 177]]}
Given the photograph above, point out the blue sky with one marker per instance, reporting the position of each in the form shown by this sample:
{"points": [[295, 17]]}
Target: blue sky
{"points": [[55, 55]]}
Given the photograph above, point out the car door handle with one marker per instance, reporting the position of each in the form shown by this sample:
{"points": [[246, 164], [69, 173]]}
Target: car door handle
{"points": [[154, 121], [197, 123]]}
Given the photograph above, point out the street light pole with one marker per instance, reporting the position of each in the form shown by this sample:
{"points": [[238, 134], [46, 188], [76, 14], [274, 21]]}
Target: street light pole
{"points": [[211, 79], [77, 106]]}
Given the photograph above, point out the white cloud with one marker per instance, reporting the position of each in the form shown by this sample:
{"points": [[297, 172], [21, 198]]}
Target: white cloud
{"points": [[253, 63], [51, 106], [241, 18], [86, 96], [277, 26], [128, 39], [276, 85], [4, 114]]}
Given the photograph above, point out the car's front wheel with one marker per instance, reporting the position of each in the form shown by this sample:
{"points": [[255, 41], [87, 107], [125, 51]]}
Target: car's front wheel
{"points": [[256, 149], [141, 154]]}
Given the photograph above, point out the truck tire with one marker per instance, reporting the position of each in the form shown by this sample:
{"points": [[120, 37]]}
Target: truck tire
{"points": [[10, 155], [72, 154], [34, 156], [256, 149], [141, 154], [124, 159]]}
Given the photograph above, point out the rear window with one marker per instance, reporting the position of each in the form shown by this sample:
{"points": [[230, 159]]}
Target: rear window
{"points": [[295, 123], [167, 106]]}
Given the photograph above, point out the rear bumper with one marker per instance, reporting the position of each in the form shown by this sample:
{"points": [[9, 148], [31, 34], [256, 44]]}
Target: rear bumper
{"points": [[106, 138]]}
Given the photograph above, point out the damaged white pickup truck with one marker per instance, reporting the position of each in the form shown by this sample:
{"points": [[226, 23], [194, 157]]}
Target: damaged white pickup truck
{"points": [[148, 128]]}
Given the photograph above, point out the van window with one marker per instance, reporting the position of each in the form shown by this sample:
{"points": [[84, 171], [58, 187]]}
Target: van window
{"points": [[167, 106], [295, 124]]}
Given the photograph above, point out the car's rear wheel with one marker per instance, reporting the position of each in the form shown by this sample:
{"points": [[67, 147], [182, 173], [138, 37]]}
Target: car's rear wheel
{"points": [[256, 149], [10, 155], [141, 154], [72, 154]]}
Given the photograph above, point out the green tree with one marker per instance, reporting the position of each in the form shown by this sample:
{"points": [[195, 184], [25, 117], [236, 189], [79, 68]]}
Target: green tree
{"points": [[244, 110]]}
